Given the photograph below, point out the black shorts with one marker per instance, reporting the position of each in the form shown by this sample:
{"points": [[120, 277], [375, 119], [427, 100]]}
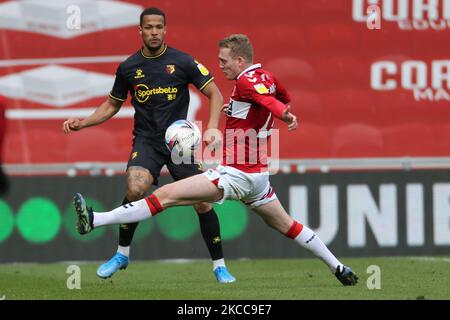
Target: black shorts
{"points": [[153, 158]]}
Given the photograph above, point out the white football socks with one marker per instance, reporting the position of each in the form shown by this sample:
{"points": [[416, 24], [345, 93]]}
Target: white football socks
{"points": [[124, 250], [218, 263], [131, 212], [310, 241]]}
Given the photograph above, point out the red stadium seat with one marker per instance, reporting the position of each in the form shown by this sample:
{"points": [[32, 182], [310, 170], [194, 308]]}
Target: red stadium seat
{"points": [[335, 7], [341, 71], [307, 106], [412, 140], [284, 34], [340, 37], [443, 138], [308, 141], [400, 106], [292, 71], [386, 41], [357, 140], [350, 105]]}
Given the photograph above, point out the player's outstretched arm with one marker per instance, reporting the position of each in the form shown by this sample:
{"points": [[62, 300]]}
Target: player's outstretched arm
{"points": [[104, 112]]}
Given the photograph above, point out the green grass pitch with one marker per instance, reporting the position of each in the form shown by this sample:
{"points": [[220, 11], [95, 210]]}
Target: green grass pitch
{"points": [[288, 279]]}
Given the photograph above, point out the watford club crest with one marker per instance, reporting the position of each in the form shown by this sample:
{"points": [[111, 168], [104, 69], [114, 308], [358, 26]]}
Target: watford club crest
{"points": [[170, 68]]}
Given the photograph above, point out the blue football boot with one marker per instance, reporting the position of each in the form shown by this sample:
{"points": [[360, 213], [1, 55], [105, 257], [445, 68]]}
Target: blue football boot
{"points": [[116, 263], [223, 276]]}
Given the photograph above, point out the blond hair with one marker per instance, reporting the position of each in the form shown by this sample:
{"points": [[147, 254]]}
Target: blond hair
{"points": [[239, 45]]}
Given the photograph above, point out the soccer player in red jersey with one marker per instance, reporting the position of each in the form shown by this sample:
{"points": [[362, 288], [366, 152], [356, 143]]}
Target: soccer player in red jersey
{"points": [[257, 97]]}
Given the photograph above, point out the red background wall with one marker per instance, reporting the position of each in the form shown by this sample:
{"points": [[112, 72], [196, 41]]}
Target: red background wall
{"points": [[316, 49]]}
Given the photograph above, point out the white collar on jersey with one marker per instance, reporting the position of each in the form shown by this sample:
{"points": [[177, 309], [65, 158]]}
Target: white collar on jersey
{"points": [[255, 66]]}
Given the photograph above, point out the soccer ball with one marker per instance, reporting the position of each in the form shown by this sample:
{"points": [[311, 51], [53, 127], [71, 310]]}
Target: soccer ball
{"points": [[182, 138]]}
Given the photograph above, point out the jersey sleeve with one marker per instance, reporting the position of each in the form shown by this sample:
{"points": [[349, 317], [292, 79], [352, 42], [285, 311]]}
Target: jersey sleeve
{"points": [[282, 93], [258, 93], [198, 74], [120, 88]]}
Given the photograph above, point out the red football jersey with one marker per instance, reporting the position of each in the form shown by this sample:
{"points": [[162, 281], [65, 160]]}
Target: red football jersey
{"points": [[257, 97]]}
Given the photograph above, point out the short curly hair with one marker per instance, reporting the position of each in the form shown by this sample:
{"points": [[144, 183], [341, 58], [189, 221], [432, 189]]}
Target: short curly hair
{"points": [[154, 11]]}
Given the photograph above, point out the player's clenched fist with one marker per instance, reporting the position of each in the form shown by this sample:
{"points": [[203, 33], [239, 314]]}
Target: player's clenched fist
{"points": [[290, 119], [72, 125]]}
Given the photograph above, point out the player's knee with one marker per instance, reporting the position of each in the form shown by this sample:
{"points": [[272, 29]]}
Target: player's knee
{"points": [[202, 207], [139, 181], [135, 193]]}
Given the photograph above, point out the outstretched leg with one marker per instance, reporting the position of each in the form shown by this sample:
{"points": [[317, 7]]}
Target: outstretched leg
{"points": [[188, 191], [275, 216]]}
